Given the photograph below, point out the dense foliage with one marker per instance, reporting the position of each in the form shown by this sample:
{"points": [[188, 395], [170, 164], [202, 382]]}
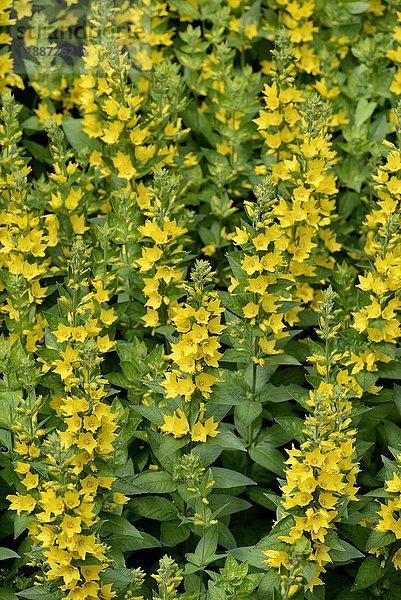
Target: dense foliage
{"points": [[200, 299]]}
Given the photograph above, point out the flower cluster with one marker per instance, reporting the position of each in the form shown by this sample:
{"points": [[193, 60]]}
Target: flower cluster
{"points": [[258, 269], [377, 319], [321, 475], [195, 356], [8, 78], [299, 23], [62, 492], [161, 261], [26, 237]]}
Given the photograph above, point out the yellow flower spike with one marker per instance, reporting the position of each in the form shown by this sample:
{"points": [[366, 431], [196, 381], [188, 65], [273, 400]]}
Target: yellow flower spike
{"points": [[320, 475]]}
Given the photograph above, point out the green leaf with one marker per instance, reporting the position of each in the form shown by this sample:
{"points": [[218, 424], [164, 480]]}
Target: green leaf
{"points": [[37, 593], [8, 403], [366, 379], [292, 425], [7, 594], [205, 550], [152, 413], [282, 359], [121, 578], [271, 393], [346, 554], [32, 123], [119, 379], [268, 585], [215, 593], [369, 572], [6, 439], [118, 525], [356, 8], [169, 446], [252, 555], [227, 440], [21, 522], [364, 109], [173, 533], [235, 356], [222, 505], [130, 371], [247, 412], [268, 457], [282, 527], [6, 553], [397, 397], [318, 593], [154, 507], [130, 543], [148, 482], [41, 153], [221, 395], [379, 539], [225, 478], [391, 370]]}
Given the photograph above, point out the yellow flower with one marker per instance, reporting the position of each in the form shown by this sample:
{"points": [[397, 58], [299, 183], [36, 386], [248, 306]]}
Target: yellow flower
{"points": [[185, 387], [78, 224], [73, 198], [123, 164], [177, 424], [69, 573], [107, 316], [397, 559], [251, 264], [71, 499], [149, 257], [394, 485], [151, 318], [62, 333], [199, 431], [87, 442], [112, 133], [104, 343], [204, 383], [250, 310], [21, 503], [120, 499], [276, 558], [22, 468], [30, 481], [71, 525], [91, 572]]}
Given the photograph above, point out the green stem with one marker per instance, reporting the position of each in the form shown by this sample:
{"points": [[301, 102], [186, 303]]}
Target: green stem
{"points": [[253, 393]]}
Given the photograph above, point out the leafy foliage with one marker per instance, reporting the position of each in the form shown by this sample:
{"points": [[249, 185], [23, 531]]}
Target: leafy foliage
{"points": [[200, 299]]}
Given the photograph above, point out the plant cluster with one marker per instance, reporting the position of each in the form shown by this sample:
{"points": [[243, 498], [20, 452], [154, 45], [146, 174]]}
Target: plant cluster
{"points": [[200, 299]]}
